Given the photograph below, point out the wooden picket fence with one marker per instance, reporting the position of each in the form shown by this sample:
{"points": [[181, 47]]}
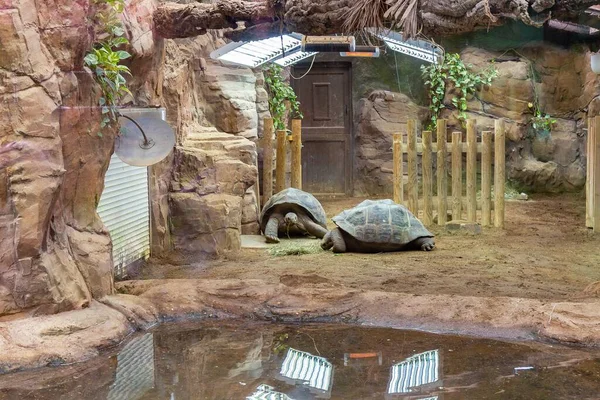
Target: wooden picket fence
{"points": [[426, 148], [592, 209]]}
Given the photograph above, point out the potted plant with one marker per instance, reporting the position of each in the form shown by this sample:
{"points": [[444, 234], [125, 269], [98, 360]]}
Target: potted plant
{"points": [[541, 123]]}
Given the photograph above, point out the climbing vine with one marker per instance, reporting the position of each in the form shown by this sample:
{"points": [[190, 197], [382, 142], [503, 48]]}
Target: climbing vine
{"points": [[541, 123], [453, 74], [105, 58], [280, 95]]}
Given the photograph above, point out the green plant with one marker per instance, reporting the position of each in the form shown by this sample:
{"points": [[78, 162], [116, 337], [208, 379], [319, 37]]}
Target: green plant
{"points": [[280, 95], [457, 77], [541, 123], [105, 59]]}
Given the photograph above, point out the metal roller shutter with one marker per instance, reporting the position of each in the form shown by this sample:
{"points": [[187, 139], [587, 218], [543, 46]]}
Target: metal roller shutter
{"points": [[125, 207], [125, 210]]}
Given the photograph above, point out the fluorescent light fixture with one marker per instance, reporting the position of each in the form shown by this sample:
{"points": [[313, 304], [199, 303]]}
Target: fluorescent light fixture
{"points": [[257, 53], [294, 58], [266, 392], [417, 48]]}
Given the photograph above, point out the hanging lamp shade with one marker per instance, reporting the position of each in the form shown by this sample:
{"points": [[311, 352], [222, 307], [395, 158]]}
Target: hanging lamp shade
{"points": [[596, 63]]}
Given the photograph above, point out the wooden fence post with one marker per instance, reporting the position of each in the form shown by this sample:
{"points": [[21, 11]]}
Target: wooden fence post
{"points": [[442, 179], [456, 175], [398, 169], [296, 154], [596, 174], [427, 179], [471, 171], [267, 183], [589, 180], [499, 179], [486, 179], [281, 161], [413, 188]]}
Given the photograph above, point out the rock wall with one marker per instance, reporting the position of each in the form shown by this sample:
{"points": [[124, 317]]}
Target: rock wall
{"points": [[567, 90], [55, 253]]}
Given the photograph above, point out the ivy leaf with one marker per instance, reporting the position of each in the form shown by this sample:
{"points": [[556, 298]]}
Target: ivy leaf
{"points": [[123, 54], [91, 60]]}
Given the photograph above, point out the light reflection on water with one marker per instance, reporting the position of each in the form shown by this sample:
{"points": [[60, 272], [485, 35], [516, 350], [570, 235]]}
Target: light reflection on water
{"points": [[274, 362]]}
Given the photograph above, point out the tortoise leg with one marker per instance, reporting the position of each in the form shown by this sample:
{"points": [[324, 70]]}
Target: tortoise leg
{"points": [[272, 228], [339, 245], [307, 224], [327, 243], [424, 243]]}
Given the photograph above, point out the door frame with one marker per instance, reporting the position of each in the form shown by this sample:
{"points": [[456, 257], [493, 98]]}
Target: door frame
{"points": [[349, 148]]}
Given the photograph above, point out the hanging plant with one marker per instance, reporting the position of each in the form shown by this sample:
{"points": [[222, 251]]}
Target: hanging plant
{"points": [[281, 96], [105, 58], [454, 74]]}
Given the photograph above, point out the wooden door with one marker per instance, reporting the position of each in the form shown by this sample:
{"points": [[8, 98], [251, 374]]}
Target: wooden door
{"points": [[326, 102]]}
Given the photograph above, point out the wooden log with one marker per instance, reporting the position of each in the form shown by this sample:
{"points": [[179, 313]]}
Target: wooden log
{"points": [[413, 188], [471, 171], [426, 166], [589, 178], [281, 161], [486, 179], [398, 169], [267, 142], [456, 176], [442, 179], [499, 178], [296, 154], [596, 174]]}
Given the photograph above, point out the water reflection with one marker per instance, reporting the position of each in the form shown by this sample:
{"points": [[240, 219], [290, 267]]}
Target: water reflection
{"points": [[275, 362]]}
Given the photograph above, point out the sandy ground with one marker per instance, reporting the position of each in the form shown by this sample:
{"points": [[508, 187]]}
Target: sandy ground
{"points": [[545, 252]]}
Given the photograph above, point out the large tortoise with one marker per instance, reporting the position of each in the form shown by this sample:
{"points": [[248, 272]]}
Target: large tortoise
{"points": [[293, 212], [377, 226]]}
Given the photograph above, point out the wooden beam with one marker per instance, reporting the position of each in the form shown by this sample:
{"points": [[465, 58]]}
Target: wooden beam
{"points": [[596, 174], [471, 171], [426, 165], [499, 177], [296, 154], [486, 179], [413, 182], [398, 169], [267, 142], [589, 178], [456, 176], [281, 161], [463, 147], [442, 179]]}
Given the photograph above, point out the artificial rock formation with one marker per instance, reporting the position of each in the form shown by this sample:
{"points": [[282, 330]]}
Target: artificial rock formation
{"points": [[381, 114], [54, 253], [566, 89], [265, 18]]}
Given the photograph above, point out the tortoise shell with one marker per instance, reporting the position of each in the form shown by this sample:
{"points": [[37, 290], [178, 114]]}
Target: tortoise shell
{"points": [[381, 221], [293, 198]]}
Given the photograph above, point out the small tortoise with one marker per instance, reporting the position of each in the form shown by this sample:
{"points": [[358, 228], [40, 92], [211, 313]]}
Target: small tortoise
{"points": [[377, 226], [293, 212]]}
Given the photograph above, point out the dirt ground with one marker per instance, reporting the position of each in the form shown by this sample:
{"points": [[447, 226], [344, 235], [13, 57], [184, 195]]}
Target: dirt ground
{"points": [[545, 252]]}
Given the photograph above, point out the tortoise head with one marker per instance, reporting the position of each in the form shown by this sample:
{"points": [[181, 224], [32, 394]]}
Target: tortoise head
{"points": [[290, 219]]}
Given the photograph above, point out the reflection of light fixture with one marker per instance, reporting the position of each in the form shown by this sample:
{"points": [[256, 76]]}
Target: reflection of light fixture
{"points": [[362, 51], [595, 61], [328, 43]]}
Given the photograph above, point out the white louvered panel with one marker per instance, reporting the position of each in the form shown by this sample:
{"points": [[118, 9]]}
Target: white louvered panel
{"points": [[125, 210]]}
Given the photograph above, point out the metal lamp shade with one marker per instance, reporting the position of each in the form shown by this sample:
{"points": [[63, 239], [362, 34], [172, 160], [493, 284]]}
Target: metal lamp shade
{"points": [[133, 149]]}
